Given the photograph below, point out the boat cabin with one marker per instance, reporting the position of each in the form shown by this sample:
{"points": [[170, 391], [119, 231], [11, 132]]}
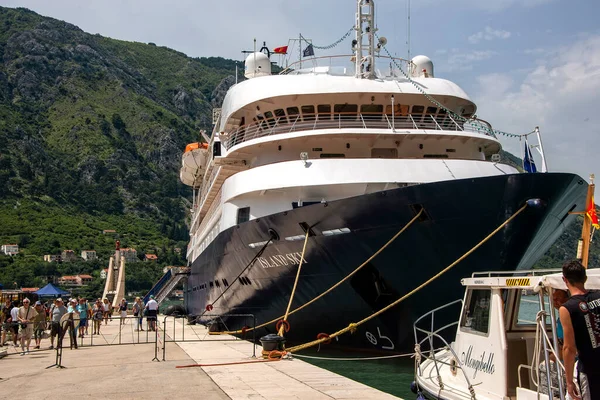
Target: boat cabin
{"points": [[505, 337]]}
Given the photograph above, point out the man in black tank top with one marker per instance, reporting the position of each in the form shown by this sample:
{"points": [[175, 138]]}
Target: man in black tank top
{"points": [[580, 317]]}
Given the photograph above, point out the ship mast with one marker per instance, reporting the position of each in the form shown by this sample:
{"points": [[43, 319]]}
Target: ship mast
{"points": [[364, 43]]}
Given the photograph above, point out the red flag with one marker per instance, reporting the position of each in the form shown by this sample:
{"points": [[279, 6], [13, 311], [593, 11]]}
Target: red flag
{"points": [[280, 50], [591, 212]]}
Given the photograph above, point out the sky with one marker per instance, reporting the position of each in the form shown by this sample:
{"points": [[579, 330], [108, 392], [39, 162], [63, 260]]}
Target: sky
{"points": [[525, 63]]}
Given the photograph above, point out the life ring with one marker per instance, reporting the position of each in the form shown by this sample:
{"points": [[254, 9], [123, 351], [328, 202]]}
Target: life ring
{"points": [[324, 336], [286, 325], [209, 307]]}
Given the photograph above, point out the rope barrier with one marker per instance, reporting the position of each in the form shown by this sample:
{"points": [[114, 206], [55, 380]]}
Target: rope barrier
{"points": [[337, 284], [353, 326]]}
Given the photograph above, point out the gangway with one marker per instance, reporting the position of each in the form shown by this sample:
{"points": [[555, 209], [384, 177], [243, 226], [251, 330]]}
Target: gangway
{"points": [[167, 283]]}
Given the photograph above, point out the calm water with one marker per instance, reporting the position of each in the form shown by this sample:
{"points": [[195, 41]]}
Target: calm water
{"points": [[389, 375]]}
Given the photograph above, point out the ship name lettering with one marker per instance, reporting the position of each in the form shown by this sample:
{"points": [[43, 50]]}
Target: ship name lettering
{"points": [[480, 363], [281, 260]]}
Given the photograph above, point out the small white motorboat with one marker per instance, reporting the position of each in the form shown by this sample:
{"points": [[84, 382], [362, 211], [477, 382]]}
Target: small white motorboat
{"points": [[505, 339]]}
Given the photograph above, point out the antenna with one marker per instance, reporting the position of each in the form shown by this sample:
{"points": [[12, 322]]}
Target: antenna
{"points": [[408, 31]]}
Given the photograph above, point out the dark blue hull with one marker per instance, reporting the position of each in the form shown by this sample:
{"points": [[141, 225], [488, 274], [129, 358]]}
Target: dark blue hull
{"points": [[457, 215]]}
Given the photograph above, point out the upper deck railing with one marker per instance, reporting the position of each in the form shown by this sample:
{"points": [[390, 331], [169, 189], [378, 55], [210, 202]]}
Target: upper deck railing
{"points": [[344, 65], [281, 125]]}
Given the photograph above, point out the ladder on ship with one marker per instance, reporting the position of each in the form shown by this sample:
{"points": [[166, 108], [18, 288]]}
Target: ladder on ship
{"points": [[167, 283]]}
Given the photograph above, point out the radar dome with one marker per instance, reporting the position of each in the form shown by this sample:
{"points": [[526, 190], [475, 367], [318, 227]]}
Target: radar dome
{"points": [[257, 64], [421, 67]]}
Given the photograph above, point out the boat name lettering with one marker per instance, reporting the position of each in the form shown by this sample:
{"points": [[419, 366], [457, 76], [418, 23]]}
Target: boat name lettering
{"points": [[479, 282], [480, 363], [281, 260]]}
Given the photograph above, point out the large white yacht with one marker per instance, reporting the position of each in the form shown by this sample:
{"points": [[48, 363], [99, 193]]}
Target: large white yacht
{"points": [[350, 154]]}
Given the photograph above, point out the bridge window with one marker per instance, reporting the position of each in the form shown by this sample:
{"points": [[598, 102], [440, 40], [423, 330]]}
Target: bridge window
{"points": [[476, 317], [308, 113], [293, 111], [346, 111], [269, 118], [280, 115], [243, 215], [225, 282], [371, 109], [324, 111]]}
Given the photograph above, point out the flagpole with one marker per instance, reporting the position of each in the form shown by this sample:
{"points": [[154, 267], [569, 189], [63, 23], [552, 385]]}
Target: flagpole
{"points": [[539, 138]]}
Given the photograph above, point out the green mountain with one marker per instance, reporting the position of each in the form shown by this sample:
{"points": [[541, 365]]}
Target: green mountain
{"points": [[92, 131]]}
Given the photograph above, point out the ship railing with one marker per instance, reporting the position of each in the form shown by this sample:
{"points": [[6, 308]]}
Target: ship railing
{"points": [[344, 65], [525, 272], [352, 120], [427, 334]]}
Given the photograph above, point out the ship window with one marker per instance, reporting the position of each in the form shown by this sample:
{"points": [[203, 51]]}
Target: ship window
{"points": [[476, 317], [243, 215], [332, 155], [324, 111], [280, 115], [269, 117], [210, 284], [225, 282], [345, 108], [418, 109], [217, 284], [430, 110], [293, 111], [298, 204], [308, 113], [370, 109]]}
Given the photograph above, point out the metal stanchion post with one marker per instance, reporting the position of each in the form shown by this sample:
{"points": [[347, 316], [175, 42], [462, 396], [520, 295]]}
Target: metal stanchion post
{"points": [[164, 349], [120, 325], [156, 343], [253, 336]]}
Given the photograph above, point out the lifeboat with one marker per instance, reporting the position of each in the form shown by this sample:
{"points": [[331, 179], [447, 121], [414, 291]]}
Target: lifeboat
{"points": [[193, 164]]}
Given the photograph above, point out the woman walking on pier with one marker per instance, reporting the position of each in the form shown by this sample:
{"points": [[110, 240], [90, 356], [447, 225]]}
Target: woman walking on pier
{"points": [[138, 311], [98, 313]]}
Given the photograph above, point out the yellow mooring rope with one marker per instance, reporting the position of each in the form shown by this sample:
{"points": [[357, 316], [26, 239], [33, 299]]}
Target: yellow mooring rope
{"points": [[287, 311], [405, 227], [352, 327]]}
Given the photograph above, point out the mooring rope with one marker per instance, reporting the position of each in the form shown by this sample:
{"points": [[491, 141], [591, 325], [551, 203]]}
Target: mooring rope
{"points": [[405, 227], [354, 325]]}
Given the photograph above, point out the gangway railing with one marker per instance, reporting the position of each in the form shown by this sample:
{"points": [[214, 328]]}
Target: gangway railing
{"points": [[167, 283]]}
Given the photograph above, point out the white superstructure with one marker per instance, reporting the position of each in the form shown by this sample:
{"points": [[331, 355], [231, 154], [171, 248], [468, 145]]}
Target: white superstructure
{"points": [[319, 132]]}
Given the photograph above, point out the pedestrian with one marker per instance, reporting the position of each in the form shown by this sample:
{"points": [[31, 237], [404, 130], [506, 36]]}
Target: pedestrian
{"points": [[123, 310], [70, 325], [152, 312], [39, 323], [107, 309], [14, 324], [56, 313], [6, 320], [83, 316], [25, 316], [97, 316], [580, 319], [138, 311]]}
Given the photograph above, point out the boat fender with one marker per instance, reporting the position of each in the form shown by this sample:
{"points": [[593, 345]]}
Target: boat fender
{"points": [[324, 336], [286, 325], [414, 388], [209, 307]]}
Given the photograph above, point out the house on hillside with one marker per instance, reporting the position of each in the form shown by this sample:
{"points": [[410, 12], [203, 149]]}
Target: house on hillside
{"points": [[68, 255], [10, 249], [75, 280], [104, 273], [130, 255], [89, 255], [108, 231], [52, 258], [151, 257]]}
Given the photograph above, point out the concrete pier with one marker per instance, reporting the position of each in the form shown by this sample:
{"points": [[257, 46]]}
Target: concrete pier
{"points": [[128, 372]]}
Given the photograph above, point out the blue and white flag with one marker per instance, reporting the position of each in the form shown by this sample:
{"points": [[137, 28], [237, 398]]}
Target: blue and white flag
{"points": [[528, 162]]}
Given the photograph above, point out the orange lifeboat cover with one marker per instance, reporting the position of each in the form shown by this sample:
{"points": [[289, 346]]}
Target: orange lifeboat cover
{"points": [[194, 146]]}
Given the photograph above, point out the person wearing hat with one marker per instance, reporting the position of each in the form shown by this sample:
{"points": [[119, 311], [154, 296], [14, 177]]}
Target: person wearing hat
{"points": [[56, 313], [39, 323], [25, 315], [70, 327], [152, 312]]}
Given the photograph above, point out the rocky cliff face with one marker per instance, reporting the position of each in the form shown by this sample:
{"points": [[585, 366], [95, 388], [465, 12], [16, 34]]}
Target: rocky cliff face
{"points": [[84, 114]]}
